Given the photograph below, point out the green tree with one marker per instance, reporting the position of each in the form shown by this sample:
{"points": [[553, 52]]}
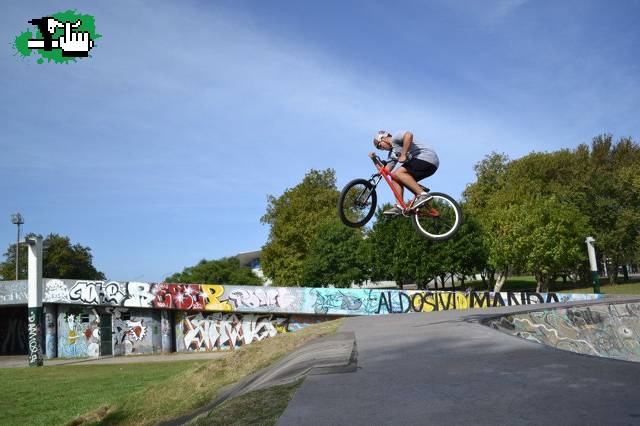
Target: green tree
{"points": [[529, 215], [380, 245], [467, 253], [396, 252], [294, 218], [547, 238], [221, 271], [480, 201], [60, 259], [336, 256], [613, 198], [415, 259], [536, 211]]}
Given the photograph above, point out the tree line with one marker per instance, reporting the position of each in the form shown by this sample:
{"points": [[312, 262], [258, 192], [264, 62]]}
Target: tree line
{"points": [[60, 259], [530, 215]]}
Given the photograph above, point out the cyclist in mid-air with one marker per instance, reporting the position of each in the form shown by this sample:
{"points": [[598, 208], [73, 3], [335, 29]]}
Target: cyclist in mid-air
{"points": [[418, 162]]}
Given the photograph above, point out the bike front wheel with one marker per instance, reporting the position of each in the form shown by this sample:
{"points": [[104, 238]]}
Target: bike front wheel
{"points": [[357, 203], [439, 218]]}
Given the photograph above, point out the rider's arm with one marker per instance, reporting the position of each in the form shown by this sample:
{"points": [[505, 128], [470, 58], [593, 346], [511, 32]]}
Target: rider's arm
{"points": [[391, 162], [406, 143], [388, 164]]}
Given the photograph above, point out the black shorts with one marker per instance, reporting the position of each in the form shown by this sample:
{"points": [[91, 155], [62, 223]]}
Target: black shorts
{"points": [[419, 169]]}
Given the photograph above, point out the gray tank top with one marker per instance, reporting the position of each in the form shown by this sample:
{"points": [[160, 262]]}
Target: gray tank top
{"points": [[417, 150]]}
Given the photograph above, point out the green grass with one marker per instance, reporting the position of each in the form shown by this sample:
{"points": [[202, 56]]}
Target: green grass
{"points": [[135, 394], [262, 407], [515, 283], [55, 395], [630, 288], [528, 283]]}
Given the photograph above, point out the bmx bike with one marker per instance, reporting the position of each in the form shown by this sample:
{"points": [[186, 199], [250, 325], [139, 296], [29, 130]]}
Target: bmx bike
{"points": [[437, 219]]}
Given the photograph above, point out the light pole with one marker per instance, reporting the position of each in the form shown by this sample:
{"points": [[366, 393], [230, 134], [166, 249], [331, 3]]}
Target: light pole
{"points": [[595, 278], [34, 300], [18, 220]]}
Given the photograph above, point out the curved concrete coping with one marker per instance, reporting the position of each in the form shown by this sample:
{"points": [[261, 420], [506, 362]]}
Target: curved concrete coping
{"points": [[607, 328], [331, 354]]}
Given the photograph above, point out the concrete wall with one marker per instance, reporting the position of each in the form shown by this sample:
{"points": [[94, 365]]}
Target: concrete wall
{"points": [[135, 331], [132, 332], [155, 317], [276, 300], [607, 330], [202, 332], [78, 332]]}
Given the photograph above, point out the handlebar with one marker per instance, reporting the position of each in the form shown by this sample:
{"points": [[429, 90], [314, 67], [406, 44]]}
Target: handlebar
{"points": [[376, 160]]}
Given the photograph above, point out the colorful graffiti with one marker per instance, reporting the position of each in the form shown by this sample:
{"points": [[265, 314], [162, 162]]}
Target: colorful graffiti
{"points": [[131, 334], [51, 344], [228, 331], [196, 297], [265, 298], [78, 334], [606, 330], [95, 293], [283, 300], [34, 330], [224, 331], [151, 317]]}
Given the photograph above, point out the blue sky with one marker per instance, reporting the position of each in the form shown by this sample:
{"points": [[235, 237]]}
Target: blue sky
{"points": [[161, 149]]}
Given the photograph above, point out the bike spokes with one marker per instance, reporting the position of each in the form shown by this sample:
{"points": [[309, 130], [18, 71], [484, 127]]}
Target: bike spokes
{"points": [[438, 218], [357, 203]]}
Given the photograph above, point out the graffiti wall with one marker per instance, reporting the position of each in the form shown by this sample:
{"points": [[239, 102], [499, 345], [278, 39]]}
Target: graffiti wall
{"points": [[78, 332], [51, 331], [222, 331], [606, 330], [129, 331], [34, 333], [127, 318], [13, 292], [282, 300], [132, 332]]}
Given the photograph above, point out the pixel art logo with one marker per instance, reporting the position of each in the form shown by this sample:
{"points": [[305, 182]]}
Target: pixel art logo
{"points": [[60, 37]]}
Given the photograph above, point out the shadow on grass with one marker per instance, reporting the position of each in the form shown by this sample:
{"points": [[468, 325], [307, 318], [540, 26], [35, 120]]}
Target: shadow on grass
{"points": [[261, 407]]}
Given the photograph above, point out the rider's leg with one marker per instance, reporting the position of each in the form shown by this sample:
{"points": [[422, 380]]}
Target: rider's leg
{"points": [[396, 210], [405, 179], [398, 187]]}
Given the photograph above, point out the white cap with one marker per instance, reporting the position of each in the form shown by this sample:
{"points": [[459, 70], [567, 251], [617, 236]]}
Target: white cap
{"points": [[381, 134]]}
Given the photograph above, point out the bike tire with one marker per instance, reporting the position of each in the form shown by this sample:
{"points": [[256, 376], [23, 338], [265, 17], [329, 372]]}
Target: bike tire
{"points": [[356, 213], [440, 227]]}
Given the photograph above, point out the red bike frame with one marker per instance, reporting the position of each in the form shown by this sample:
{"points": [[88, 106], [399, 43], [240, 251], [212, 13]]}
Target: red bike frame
{"points": [[388, 176]]}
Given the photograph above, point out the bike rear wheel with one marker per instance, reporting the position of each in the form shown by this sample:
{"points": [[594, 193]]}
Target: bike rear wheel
{"points": [[439, 218], [357, 203]]}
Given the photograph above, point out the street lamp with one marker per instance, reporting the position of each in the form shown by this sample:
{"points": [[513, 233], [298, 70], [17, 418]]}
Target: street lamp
{"points": [[595, 278], [18, 220]]}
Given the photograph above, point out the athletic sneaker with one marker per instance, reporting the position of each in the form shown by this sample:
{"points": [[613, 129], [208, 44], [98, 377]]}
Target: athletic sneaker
{"points": [[393, 211], [420, 199]]}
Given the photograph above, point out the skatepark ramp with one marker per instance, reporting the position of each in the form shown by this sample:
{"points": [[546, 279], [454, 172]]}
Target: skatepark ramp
{"points": [[609, 330]]}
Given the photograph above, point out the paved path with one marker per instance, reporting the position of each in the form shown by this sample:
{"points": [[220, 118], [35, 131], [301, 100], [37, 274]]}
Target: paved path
{"points": [[447, 368], [21, 361]]}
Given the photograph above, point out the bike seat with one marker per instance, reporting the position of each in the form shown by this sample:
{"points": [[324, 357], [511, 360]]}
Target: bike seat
{"points": [[424, 188]]}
